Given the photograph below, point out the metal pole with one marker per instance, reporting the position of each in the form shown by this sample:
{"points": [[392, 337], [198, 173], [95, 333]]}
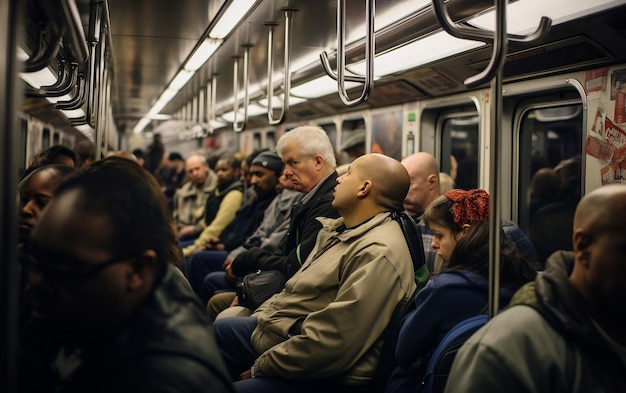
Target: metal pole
{"points": [[495, 218], [10, 21]]}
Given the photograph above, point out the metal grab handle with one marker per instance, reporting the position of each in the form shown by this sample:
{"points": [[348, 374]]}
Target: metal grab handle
{"points": [[211, 99], [499, 43], [498, 53], [79, 98], [66, 86], [246, 101], [45, 54], [286, 70], [341, 77], [476, 34]]}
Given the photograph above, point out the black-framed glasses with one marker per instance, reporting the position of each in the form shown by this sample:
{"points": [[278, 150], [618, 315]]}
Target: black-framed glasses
{"points": [[65, 267]]}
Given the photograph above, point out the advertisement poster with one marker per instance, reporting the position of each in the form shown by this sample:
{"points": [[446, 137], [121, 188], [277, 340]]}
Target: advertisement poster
{"points": [[618, 94], [595, 80], [614, 171]]}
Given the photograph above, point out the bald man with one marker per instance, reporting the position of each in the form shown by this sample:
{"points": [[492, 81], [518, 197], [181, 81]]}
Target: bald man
{"points": [[425, 188], [424, 174], [323, 331], [571, 337]]}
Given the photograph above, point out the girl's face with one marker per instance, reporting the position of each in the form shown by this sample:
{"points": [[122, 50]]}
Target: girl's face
{"points": [[444, 240]]}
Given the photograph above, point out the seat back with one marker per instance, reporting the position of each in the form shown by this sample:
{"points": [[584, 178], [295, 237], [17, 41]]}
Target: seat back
{"points": [[387, 360], [416, 248], [441, 361]]}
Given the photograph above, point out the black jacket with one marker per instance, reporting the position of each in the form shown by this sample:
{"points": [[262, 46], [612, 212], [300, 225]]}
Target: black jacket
{"points": [[300, 238], [166, 346], [247, 220]]}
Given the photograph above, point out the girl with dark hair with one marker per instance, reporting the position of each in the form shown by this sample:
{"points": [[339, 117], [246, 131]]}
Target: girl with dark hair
{"points": [[459, 221]]}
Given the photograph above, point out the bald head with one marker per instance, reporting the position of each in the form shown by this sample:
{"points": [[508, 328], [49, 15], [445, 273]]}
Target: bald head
{"points": [[599, 273], [373, 184], [604, 209], [424, 174], [390, 180], [197, 169]]}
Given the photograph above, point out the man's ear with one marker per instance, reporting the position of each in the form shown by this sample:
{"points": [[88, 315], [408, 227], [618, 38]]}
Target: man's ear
{"points": [[141, 269], [319, 160], [581, 241], [364, 189], [433, 179]]}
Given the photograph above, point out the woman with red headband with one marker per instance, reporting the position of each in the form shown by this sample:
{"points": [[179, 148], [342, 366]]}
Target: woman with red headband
{"points": [[459, 221]]}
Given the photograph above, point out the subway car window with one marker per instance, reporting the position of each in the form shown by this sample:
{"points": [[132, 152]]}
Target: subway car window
{"points": [[459, 142], [270, 140], [256, 141], [45, 139], [352, 140], [387, 132], [56, 138], [550, 175]]}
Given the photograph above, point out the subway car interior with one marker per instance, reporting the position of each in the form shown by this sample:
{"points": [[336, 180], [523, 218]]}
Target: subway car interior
{"points": [[493, 99]]}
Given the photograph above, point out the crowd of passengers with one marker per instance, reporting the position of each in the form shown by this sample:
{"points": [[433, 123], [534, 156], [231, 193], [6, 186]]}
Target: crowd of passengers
{"points": [[130, 276]]}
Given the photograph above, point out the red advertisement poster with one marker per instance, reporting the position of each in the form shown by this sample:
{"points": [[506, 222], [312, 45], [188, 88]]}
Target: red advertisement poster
{"points": [[599, 149], [615, 136], [595, 80]]}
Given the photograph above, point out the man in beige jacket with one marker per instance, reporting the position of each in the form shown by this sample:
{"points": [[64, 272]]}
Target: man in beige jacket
{"points": [[323, 331]]}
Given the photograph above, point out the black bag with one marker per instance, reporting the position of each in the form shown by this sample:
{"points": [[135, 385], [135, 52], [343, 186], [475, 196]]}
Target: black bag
{"points": [[255, 288]]}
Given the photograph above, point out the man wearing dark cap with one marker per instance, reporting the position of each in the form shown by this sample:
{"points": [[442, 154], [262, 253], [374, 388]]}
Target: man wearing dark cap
{"points": [[265, 170]]}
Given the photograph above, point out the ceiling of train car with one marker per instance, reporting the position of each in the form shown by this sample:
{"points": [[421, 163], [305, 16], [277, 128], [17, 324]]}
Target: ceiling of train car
{"points": [[152, 38]]}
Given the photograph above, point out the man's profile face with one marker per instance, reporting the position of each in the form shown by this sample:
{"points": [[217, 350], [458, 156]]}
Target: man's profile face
{"points": [[75, 283]]}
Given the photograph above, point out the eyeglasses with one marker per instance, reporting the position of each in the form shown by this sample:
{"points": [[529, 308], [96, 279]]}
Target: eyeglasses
{"points": [[66, 268]]}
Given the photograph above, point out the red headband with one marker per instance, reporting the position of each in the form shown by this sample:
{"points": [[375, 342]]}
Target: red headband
{"points": [[468, 206]]}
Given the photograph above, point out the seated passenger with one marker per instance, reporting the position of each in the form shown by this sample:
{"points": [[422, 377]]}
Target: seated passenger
{"points": [[132, 167], [105, 298], [425, 188], [222, 205], [323, 331], [85, 153], [571, 334], [189, 200], [266, 170], [56, 154], [459, 220], [310, 166], [36, 191], [267, 236], [171, 176], [245, 177]]}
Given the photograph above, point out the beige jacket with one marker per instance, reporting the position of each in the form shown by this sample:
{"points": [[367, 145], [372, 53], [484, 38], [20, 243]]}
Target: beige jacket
{"points": [[343, 297], [189, 203]]}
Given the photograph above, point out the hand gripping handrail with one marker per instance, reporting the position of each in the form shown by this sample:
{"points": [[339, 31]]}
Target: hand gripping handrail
{"points": [[286, 70], [477, 34], [246, 98], [340, 76], [79, 98]]}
